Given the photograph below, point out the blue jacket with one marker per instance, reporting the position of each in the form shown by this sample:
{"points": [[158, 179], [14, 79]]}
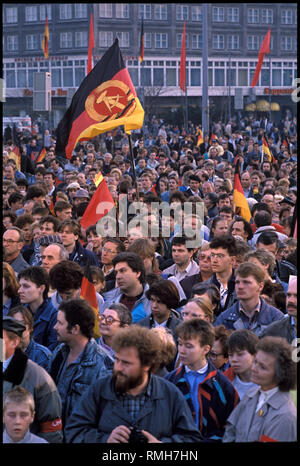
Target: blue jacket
{"points": [[44, 320], [140, 310], [217, 398], [83, 256], [233, 319], [92, 364], [164, 415], [39, 354]]}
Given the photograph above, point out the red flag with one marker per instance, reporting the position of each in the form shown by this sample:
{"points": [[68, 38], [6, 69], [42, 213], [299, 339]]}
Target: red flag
{"points": [[45, 41], [88, 293], [182, 79], [264, 48], [91, 46], [142, 43], [100, 204]]}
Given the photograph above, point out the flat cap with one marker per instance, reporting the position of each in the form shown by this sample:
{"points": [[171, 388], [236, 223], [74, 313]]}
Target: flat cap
{"points": [[287, 200], [12, 325], [82, 193]]}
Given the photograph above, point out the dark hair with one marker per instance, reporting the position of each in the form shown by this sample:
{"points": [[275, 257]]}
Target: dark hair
{"points": [[11, 215], [23, 220], [123, 312], [49, 172], [242, 339], [118, 242], [262, 218], [50, 219], [37, 275], [247, 226], [285, 367], [96, 271], [223, 196], [210, 289], [166, 291], [66, 275], [226, 242], [15, 197], [215, 221], [268, 237], [226, 209], [196, 328], [34, 191], [221, 335], [134, 261], [27, 315], [259, 206], [73, 225], [79, 312], [147, 343], [61, 205], [182, 241], [22, 182]]}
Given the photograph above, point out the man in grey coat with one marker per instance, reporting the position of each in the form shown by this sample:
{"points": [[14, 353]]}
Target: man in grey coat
{"points": [[132, 405]]}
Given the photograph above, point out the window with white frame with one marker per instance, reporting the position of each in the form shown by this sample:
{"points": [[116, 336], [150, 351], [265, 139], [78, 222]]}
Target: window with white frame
{"points": [[123, 38], [105, 38], [287, 16], [122, 10], [45, 10], [218, 41], [31, 13], [161, 40], [267, 16], [12, 43], [160, 12], [147, 40], [218, 14], [182, 13], [233, 15], [196, 13], [253, 15], [233, 42], [105, 10], [65, 11], [80, 10], [252, 42], [145, 11], [286, 43], [81, 39], [11, 15], [31, 42], [66, 40], [179, 41], [196, 41]]}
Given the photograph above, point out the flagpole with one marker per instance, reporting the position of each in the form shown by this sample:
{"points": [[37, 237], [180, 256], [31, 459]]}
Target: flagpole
{"points": [[186, 110], [133, 166], [270, 89], [205, 108]]}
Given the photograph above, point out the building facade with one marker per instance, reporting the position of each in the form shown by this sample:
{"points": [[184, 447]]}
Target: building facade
{"points": [[234, 34]]}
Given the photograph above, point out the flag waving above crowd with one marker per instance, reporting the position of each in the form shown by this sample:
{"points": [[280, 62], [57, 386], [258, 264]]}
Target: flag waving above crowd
{"points": [[105, 100]]}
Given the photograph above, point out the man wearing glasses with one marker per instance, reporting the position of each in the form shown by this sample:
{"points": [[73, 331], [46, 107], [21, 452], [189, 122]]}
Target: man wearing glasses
{"points": [[78, 360], [12, 244]]}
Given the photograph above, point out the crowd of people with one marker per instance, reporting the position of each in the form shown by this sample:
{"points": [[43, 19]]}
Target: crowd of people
{"points": [[193, 336]]}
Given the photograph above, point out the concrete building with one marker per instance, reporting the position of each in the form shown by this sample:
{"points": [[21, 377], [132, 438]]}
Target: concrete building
{"points": [[235, 33]]}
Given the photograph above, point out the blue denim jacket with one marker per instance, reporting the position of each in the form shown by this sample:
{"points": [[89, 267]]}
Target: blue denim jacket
{"points": [[92, 364], [39, 354], [44, 320]]}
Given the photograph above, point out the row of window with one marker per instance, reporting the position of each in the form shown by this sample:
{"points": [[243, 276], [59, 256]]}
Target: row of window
{"points": [[163, 73], [79, 39], [149, 11]]}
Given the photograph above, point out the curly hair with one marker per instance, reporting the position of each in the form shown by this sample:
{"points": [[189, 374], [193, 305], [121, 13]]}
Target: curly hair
{"points": [[168, 347], [147, 343], [166, 291], [285, 367], [66, 275]]}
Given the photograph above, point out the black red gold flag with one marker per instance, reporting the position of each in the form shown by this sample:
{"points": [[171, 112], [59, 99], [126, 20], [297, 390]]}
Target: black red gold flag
{"points": [[141, 58], [239, 198], [45, 42], [105, 100]]}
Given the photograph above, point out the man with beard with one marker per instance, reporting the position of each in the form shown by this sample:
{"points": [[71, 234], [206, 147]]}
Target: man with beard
{"points": [[77, 361], [132, 405], [287, 327]]}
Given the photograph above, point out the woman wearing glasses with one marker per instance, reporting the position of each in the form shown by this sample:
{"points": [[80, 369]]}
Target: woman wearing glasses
{"points": [[113, 318]]}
